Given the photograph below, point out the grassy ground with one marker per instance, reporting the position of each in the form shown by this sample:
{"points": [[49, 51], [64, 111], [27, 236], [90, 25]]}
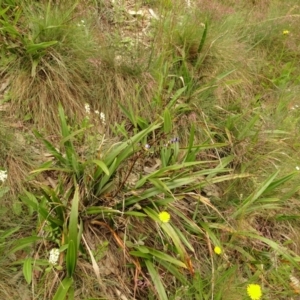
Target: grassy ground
{"points": [[155, 144]]}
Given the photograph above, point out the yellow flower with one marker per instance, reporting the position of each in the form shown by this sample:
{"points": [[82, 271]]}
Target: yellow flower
{"points": [[254, 291], [164, 216], [218, 250], [285, 32]]}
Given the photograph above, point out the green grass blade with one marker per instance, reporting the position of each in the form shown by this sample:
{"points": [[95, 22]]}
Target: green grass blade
{"points": [[248, 127], [63, 289], [8, 233], [25, 242], [173, 270], [129, 114], [102, 167], [169, 230], [165, 257], [35, 48], [254, 196], [156, 281], [280, 249], [203, 38], [176, 96], [279, 182], [52, 149]]}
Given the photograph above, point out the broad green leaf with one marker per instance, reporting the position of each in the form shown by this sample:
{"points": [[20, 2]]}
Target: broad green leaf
{"points": [[3, 191], [27, 270], [165, 257], [123, 150], [135, 213], [161, 186], [73, 222], [102, 166], [176, 96], [210, 233], [129, 114], [207, 146], [70, 151], [173, 269], [165, 171], [33, 204], [143, 249], [51, 149], [30, 200], [34, 48], [165, 156], [63, 289], [140, 254], [153, 191], [71, 258], [184, 239], [7, 233], [63, 170], [100, 186], [156, 281], [96, 210], [72, 251], [169, 230], [167, 121], [25, 242], [55, 202], [142, 123], [73, 134], [101, 210]]}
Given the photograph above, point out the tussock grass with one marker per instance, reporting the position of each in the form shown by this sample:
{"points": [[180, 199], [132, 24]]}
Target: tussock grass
{"points": [[50, 65]]}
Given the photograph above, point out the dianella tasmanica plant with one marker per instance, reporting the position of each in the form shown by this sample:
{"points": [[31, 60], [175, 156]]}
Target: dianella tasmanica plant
{"points": [[142, 181]]}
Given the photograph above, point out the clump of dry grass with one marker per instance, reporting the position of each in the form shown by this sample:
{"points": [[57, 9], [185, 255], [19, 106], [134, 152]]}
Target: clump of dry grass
{"points": [[56, 70]]}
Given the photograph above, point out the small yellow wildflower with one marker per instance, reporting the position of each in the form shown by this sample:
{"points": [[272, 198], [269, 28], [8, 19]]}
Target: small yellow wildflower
{"points": [[254, 291], [218, 250], [164, 216], [285, 32]]}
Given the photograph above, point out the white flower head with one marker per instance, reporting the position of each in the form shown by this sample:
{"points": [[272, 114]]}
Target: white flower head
{"points": [[297, 168], [3, 175], [53, 257], [87, 108], [102, 118]]}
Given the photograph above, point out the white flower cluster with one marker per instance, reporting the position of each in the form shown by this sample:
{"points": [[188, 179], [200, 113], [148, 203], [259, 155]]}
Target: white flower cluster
{"points": [[87, 108], [102, 116], [53, 257], [3, 175], [82, 23]]}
